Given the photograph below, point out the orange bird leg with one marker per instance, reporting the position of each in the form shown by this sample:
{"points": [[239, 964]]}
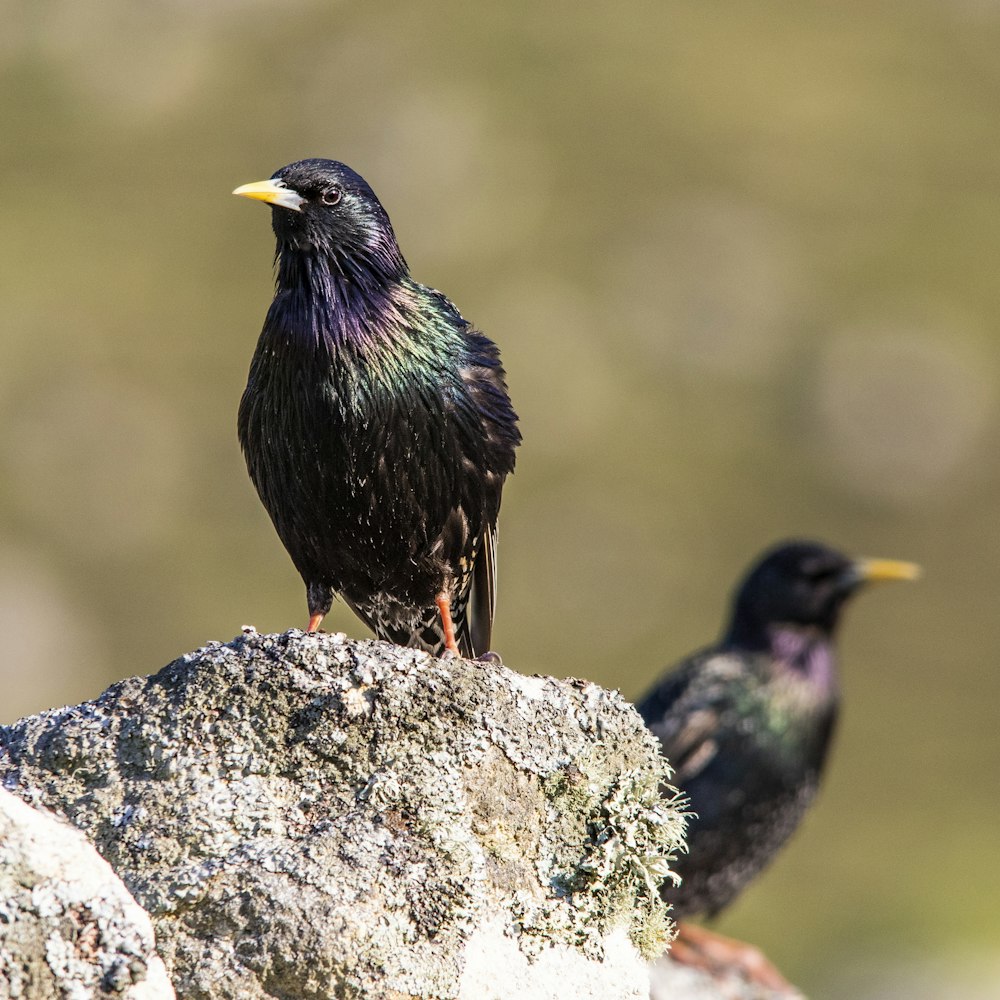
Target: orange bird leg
{"points": [[443, 602], [704, 949], [314, 623]]}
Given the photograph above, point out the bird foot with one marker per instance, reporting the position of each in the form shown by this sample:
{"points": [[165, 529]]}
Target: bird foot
{"points": [[490, 657], [443, 602], [704, 949]]}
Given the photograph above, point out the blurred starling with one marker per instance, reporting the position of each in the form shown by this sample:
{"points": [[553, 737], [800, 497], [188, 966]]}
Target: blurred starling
{"points": [[746, 724], [375, 423]]}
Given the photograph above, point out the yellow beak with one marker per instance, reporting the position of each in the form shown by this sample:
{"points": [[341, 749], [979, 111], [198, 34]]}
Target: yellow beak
{"points": [[274, 193], [880, 570]]}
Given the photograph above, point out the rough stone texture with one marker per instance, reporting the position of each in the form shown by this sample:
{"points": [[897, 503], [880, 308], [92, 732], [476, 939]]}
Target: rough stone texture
{"points": [[309, 817], [670, 981], [69, 930]]}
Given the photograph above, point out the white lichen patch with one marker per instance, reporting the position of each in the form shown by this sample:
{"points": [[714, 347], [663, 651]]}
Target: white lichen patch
{"points": [[497, 969]]}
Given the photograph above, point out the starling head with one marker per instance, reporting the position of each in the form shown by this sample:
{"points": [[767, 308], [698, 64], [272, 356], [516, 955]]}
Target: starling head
{"points": [[323, 206], [803, 584]]}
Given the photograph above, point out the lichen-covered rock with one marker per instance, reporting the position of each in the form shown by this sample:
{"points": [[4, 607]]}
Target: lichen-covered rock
{"points": [[304, 816], [69, 930]]}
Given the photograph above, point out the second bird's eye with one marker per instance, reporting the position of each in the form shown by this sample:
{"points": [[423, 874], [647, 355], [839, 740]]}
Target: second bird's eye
{"points": [[821, 574], [331, 196]]}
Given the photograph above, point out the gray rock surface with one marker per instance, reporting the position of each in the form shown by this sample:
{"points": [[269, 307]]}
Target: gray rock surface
{"points": [[69, 930], [309, 817]]}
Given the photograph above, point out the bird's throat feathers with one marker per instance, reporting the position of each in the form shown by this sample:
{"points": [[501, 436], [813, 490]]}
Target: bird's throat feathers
{"points": [[326, 299], [806, 653], [799, 654]]}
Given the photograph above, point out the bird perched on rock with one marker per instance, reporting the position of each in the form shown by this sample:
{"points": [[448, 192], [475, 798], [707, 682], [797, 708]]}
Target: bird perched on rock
{"points": [[376, 423], [746, 725]]}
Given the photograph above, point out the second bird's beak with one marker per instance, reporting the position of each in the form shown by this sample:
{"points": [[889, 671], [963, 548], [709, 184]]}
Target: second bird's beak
{"points": [[274, 192], [881, 570]]}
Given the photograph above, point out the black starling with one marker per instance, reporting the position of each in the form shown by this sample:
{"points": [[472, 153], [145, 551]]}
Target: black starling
{"points": [[746, 724], [375, 423]]}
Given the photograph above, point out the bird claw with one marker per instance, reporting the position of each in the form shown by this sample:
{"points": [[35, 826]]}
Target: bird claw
{"points": [[703, 949], [490, 657]]}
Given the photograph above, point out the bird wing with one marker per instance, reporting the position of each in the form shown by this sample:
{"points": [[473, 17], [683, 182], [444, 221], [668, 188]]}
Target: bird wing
{"points": [[685, 710], [483, 597]]}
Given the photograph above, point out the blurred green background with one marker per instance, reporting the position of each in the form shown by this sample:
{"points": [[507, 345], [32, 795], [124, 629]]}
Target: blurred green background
{"points": [[741, 260]]}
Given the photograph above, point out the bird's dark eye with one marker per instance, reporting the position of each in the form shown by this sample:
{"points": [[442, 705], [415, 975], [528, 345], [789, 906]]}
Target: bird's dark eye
{"points": [[820, 572], [331, 195]]}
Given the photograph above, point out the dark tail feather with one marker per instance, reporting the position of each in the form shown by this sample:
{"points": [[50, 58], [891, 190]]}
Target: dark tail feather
{"points": [[483, 597]]}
